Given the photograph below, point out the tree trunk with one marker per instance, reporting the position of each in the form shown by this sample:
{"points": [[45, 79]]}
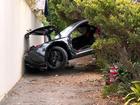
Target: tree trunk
{"points": [[134, 69], [124, 59]]}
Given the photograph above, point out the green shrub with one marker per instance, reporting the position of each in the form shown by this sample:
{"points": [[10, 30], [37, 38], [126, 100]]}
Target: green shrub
{"points": [[106, 50], [110, 90], [119, 20], [133, 97]]}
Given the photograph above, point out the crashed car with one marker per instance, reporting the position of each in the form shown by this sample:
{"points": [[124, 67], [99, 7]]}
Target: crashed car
{"points": [[59, 47]]}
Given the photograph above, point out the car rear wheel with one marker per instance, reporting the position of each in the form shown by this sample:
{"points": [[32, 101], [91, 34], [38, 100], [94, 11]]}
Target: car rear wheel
{"points": [[56, 57]]}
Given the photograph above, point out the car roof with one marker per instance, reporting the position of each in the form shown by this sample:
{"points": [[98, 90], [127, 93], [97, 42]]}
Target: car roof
{"points": [[64, 33]]}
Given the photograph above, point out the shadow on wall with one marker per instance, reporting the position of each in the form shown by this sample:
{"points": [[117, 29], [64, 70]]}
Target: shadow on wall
{"points": [[26, 47]]}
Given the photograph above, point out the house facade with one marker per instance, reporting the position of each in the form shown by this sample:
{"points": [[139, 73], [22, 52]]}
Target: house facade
{"points": [[15, 19]]}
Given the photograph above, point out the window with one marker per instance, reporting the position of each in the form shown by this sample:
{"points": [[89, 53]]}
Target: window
{"points": [[79, 32]]}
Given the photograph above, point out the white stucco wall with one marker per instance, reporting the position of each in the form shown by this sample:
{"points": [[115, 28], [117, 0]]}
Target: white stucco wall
{"points": [[15, 19]]}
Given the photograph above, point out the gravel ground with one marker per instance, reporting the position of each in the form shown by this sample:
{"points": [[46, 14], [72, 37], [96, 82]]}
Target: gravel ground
{"points": [[80, 85]]}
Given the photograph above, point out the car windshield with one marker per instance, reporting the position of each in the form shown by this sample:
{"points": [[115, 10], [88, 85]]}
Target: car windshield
{"points": [[68, 29], [54, 35]]}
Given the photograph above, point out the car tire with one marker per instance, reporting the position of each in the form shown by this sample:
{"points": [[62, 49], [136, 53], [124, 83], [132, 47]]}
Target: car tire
{"points": [[56, 58]]}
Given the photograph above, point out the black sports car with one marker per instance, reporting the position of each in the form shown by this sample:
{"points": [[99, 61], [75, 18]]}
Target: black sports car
{"points": [[59, 47]]}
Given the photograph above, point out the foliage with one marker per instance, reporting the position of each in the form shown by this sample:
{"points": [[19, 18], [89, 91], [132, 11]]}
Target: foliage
{"points": [[119, 20], [67, 10], [123, 78], [105, 51], [123, 82], [134, 96], [38, 13], [109, 90], [115, 17], [53, 18], [63, 12], [123, 87], [118, 74], [134, 48], [136, 70]]}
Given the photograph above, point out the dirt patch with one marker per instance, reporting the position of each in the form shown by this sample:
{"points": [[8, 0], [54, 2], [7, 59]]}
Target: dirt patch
{"points": [[77, 86]]}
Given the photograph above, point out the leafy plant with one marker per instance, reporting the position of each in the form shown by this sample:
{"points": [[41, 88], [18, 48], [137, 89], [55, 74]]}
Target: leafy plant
{"points": [[119, 20], [106, 49], [133, 97], [109, 90], [53, 18], [38, 12]]}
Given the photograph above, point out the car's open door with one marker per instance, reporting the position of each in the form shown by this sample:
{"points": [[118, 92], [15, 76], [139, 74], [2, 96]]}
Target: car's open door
{"points": [[39, 36]]}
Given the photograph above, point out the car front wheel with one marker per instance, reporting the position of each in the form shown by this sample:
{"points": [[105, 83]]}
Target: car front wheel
{"points": [[56, 57]]}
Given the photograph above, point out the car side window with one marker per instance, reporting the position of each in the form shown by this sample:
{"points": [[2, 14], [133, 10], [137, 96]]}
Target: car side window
{"points": [[75, 34], [53, 35], [78, 32]]}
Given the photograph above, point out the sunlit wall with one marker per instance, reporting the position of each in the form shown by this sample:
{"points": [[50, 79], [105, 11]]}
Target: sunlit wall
{"points": [[15, 19]]}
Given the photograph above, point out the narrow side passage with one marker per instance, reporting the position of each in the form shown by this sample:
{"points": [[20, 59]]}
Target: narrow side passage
{"points": [[78, 86]]}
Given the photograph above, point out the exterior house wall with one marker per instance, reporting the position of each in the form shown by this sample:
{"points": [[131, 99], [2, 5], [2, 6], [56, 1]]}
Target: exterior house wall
{"points": [[15, 19]]}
